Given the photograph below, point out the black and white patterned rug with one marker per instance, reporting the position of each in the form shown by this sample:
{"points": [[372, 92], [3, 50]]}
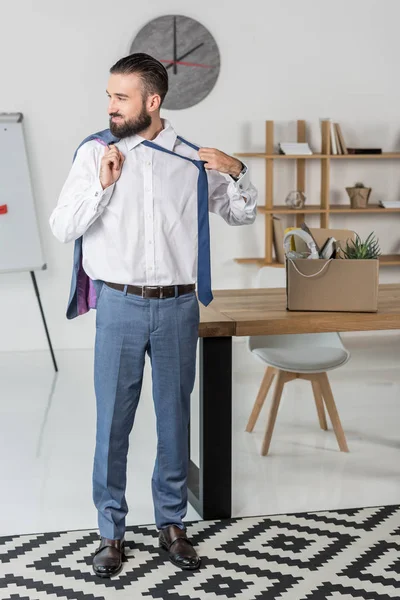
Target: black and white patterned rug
{"points": [[335, 555]]}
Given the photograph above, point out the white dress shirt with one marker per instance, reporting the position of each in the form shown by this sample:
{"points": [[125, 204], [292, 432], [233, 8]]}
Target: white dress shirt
{"points": [[142, 230]]}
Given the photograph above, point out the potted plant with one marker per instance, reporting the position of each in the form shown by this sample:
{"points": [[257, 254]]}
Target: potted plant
{"points": [[359, 195], [357, 249]]}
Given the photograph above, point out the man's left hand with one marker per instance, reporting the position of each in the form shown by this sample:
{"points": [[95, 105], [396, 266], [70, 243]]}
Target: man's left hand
{"points": [[215, 159]]}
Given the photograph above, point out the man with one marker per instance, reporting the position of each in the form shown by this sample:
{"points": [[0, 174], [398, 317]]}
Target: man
{"points": [[136, 205]]}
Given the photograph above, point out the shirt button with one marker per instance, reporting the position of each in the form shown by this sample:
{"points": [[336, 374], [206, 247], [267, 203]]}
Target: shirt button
{"points": [[148, 163], [97, 193]]}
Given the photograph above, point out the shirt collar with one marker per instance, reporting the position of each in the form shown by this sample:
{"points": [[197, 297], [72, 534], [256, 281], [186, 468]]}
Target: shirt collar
{"points": [[166, 138]]}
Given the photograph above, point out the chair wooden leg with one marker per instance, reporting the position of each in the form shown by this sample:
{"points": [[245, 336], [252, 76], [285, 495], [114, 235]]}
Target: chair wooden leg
{"points": [[325, 387], [280, 382], [319, 403], [262, 394]]}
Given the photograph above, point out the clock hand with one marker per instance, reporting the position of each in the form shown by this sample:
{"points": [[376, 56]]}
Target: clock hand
{"points": [[186, 64], [185, 55], [175, 54]]}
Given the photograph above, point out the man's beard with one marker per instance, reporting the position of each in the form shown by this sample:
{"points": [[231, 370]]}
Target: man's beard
{"points": [[133, 127]]}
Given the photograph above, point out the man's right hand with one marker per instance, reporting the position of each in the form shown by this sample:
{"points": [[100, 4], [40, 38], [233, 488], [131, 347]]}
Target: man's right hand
{"points": [[111, 166]]}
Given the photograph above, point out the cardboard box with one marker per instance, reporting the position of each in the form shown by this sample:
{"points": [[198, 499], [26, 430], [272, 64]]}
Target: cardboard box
{"points": [[338, 285]]}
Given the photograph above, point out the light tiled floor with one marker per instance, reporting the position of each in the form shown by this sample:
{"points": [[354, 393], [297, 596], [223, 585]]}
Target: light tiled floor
{"points": [[47, 440]]}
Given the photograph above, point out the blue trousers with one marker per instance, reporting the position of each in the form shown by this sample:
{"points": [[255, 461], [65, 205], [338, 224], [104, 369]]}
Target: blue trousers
{"points": [[127, 327]]}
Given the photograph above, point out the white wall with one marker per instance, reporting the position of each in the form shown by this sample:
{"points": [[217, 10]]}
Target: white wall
{"points": [[280, 60]]}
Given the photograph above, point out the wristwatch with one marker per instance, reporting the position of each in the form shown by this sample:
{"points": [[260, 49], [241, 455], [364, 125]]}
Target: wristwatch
{"points": [[242, 172]]}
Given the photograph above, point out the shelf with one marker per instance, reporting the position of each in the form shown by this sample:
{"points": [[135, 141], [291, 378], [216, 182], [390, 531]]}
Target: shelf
{"points": [[316, 209], [326, 207], [371, 208], [386, 260], [257, 261], [389, 260], [383, 156], [283, 156], [284, 210]]}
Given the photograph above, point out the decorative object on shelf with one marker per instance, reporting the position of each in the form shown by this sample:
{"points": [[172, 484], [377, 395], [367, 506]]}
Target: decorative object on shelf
{"points": [[359, 195], [357, 249], [295, 199]]}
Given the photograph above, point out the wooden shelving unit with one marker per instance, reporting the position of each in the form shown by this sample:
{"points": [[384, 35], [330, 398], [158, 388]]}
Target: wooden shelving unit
{"points": [[324, 209]]}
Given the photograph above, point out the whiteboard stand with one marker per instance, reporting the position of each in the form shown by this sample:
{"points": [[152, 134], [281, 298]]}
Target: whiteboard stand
{"points": [[35, 285], [20, 247]]}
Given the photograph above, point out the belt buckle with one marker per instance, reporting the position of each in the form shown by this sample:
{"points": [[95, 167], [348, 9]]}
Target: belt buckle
{"points": [[161, 292], [148, 287]]}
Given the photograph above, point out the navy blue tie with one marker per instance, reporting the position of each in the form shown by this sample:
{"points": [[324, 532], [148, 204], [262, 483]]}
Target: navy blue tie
{"points": [[204, 292]]}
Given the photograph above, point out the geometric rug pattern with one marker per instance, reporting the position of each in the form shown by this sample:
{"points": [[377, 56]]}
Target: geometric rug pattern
{"points": [[332, 555]]}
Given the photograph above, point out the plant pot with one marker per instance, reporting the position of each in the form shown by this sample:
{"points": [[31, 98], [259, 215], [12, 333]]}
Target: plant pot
{"points": [[358, 196]]}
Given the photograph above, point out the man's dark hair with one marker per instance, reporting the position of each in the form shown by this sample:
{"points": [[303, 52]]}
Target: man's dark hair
{"points": [[154, 75]]}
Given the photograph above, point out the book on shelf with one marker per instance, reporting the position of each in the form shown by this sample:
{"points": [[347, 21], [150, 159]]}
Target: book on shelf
{"points": [[341, 139], [295, 148], [337, 143], [278, 234], [365, 150], [389, 203], [333, 138], [332, 148]]}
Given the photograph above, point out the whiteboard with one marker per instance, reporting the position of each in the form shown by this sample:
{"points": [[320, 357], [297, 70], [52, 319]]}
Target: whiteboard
{"points": [[20, 247]]}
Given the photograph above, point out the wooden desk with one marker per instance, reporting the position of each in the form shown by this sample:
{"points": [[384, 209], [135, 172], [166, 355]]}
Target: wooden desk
{"points": [[243, 313]]}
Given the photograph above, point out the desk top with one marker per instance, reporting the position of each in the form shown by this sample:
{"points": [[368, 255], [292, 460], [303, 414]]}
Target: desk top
{"points": [[263, 312]]}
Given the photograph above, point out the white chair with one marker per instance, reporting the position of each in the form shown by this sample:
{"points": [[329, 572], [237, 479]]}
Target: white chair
{"points": [[299, 356]]}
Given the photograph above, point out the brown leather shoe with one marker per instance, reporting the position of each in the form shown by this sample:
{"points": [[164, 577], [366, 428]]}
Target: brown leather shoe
{"points": [[108, 558], [180, 549]]}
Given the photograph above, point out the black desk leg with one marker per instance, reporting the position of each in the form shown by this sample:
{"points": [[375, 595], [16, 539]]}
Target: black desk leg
{"points": [[44, 319], [210, 486]]}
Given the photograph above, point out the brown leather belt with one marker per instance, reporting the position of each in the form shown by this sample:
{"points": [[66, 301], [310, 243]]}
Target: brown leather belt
{"points": [[153, 291]]}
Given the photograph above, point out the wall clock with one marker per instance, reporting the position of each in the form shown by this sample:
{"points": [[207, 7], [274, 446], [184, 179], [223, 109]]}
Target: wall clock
{"points": [[189, 53]]}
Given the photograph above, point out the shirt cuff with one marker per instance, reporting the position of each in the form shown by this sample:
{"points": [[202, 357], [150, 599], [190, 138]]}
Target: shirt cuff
{"points": [[243, 182], [102, 197], [246, 202]]}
